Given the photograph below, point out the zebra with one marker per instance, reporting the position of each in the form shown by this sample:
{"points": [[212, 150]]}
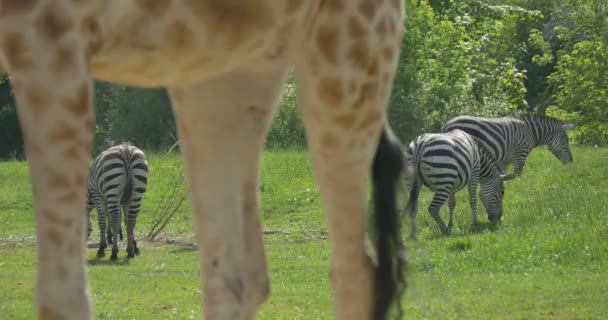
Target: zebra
{"points": [[118, 178], [445, 163], [511, 139]]}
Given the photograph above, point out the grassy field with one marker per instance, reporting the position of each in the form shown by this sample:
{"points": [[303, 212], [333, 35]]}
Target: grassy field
{"points": [[547, 259]]}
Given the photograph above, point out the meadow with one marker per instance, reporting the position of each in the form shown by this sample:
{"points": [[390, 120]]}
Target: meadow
{"points": [[546, 260]]}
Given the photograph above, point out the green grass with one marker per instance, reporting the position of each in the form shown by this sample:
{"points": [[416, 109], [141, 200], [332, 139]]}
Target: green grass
{"points": [[546, 260]]}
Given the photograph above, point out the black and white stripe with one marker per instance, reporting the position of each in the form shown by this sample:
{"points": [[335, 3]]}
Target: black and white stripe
{"points": [[445, 163], [118, 179], [510, 139]]}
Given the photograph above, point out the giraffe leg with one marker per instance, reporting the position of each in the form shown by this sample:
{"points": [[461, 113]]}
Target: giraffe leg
{"points": [[222, 124], [55, 107], [343, 89]]}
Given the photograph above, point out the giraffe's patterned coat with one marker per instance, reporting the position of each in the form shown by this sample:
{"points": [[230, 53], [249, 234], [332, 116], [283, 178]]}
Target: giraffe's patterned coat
{"points": [[224, 63]]}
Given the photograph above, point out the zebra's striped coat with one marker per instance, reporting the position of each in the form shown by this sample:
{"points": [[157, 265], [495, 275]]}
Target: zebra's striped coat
{"points": [[511, 139], [118, 179], [446, 163]]}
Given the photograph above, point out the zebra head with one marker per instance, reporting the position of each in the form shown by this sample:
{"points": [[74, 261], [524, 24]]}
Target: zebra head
{"points": [[559, 144], [492, 193]]}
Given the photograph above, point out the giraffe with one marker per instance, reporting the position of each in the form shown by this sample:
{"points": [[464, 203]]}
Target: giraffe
{"points": [[223, 63]]}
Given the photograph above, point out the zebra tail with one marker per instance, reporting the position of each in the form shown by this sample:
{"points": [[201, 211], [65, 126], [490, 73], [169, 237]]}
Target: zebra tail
{"points": [[390, 271], [414, 179], [126, 196]]}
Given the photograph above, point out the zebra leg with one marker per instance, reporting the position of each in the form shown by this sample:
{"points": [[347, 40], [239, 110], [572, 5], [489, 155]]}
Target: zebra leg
{"points": [[131, 210], [114, 222], [451, 207], [473, 181], [89, 224], [109, 235], [222, 126], [519, 161], [102, 220], [438, 200], [413, 209]]}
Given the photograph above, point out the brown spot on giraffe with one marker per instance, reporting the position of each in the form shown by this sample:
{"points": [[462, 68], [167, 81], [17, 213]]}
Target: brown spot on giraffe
{"points": [[388, 53], [47, 313], [358, 54], [355, 28], [63, 132], [381, 28], [57, 180], [154, 8], [250, 203], [78, 104], [53, 22], [234, 20], [35, 97], [332, 6], [63, 59], [72, 153], [292, 6], [16, 7], [372, 117], [179, 35], [367, 92], [345, 121], [367, 8], [327, 42], [396, 4], [18, 54], [329, 140], [372, 67], [91, 30], [74, 248], [330, 91], [80, 179], [62, 272], [55, 236], [53, 218], [391, 26], [69, 197]]}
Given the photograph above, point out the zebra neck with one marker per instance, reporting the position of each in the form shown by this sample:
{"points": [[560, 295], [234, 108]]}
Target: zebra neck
{"points": [[540, 131]]}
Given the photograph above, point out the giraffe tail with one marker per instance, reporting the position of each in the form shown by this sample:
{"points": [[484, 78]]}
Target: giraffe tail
{"points": [[390, 272]]}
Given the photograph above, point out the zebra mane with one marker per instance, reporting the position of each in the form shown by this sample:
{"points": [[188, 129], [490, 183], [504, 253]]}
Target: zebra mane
{"points": [[486, 157], [540, 119]]}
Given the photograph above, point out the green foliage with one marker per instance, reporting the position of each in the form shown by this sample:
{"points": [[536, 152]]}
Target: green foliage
{"points": [[287, 129], [142, 116], [582, 90]]}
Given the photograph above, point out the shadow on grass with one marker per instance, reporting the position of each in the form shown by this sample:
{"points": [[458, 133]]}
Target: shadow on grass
{"points": [[485, 226], [107, 262], [185, 248]]}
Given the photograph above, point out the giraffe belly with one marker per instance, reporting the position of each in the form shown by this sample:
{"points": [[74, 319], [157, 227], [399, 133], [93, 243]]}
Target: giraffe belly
{"points": [[176, 49]]}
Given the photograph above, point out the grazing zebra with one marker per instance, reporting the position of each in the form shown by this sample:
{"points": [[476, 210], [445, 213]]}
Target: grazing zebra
{"points": [[445, 163], [510, 139], [118, 178]]}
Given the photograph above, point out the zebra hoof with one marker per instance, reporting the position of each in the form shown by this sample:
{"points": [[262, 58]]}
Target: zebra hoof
{"points": [[100, 254], [136, 251], [113, 257], [130, 256]]}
